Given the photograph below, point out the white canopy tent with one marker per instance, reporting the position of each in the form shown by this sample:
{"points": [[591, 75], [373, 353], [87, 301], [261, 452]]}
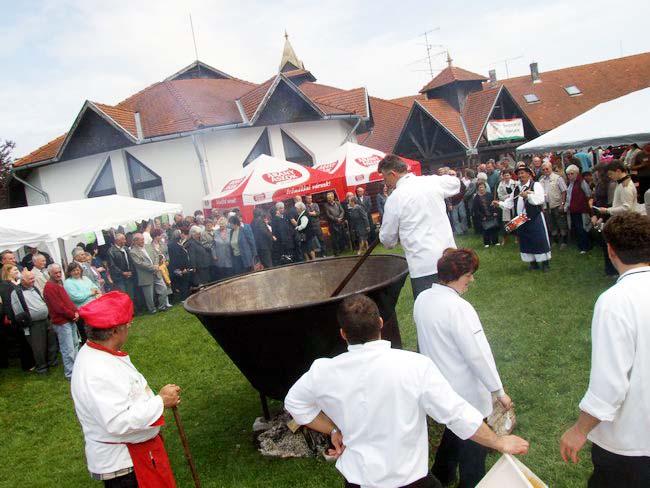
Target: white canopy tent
{"points": [[49, 226], [621, 121]]}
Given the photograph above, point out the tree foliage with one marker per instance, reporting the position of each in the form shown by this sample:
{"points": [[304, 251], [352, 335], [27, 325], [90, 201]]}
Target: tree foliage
{"points": [[6, 159]]}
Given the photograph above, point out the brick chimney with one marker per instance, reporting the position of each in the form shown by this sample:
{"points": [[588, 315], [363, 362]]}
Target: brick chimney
{"points": [[493, 76], [534, 73]]}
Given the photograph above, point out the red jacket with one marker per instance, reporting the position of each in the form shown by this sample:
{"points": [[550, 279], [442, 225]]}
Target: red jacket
{"points": [[61, 308]]}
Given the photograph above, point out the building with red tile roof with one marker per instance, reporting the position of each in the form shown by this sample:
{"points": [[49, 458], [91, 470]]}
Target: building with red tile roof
{"points": [[183, 137], [448, 118]]}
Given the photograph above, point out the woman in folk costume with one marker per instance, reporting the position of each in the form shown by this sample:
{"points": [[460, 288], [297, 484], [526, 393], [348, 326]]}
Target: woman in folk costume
{"points": [[119, 414], [528, 198]]}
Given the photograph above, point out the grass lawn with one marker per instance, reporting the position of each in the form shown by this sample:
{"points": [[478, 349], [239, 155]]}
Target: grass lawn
{"points": [[538, 326]]}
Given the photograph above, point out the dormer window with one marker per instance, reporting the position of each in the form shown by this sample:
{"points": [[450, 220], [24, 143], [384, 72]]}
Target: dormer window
{"points": [[531, 98], [572, 90]]}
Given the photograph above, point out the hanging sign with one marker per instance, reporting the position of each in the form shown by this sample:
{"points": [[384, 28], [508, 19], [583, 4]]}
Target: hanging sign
{"points": [[504, 130]]}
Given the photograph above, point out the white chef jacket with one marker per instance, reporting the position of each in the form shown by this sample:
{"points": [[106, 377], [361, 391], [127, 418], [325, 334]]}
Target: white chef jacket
{"points": [[379, 398], [114, 405], [451, 334], [619, 384], [416, 214]]}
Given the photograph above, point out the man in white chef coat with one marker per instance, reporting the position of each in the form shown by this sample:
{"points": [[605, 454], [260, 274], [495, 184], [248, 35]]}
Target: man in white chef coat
{"points": [[415, 214], [615, 411], [373, 401], [119, 414]]}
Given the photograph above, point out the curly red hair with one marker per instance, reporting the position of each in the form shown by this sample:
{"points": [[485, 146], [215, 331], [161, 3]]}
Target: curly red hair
{"points": [[454, 263]]}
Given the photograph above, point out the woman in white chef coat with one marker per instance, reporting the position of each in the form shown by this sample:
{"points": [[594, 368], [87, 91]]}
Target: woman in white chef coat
{"points": [[451, 334]]}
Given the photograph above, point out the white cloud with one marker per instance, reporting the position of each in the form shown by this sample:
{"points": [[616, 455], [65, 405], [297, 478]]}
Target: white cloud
{"points": [[75, 50]]}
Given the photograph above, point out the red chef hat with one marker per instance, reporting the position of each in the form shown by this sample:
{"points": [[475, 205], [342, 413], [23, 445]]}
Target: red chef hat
{"points": [[110, 310]]}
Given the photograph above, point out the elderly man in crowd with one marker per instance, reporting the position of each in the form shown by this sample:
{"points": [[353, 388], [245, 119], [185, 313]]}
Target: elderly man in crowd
{"points": [[493, 175], [63, 315], [366, 202], [536, 166], [79, 256], [120, 266], [28, 260], [373, 402], [200, 257], [119, 414], [40, 272], [31, 314], [416, 216], [614, 410], [335, 218], [147, 273], [554, 199], [9, 257]]}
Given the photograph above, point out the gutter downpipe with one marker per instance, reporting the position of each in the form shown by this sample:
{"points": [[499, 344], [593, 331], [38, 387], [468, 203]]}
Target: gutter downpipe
{"points": [[41, 192], [202, 165]]}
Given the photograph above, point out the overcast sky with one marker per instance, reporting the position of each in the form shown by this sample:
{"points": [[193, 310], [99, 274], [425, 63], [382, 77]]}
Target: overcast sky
{"points": [[57, 53]]}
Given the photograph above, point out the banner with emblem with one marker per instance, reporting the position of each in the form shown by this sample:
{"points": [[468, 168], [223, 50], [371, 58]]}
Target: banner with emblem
{"points": [[504, 130]]}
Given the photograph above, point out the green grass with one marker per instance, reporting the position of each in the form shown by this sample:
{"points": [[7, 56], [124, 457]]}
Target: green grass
{"points": [[538, 326]]}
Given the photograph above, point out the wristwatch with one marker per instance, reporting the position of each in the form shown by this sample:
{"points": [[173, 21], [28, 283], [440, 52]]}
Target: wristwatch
{"points": [[334, 431]]}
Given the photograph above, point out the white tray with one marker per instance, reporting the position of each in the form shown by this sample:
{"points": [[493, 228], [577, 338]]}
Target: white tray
{"points": [[509, 472]]}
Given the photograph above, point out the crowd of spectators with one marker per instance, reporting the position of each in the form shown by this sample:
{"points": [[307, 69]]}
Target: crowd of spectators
{"points": [[581, 191], [157, 262]]}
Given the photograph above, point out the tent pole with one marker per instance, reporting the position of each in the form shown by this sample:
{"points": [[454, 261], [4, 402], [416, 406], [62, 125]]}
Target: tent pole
{"points": [[64, 258]]}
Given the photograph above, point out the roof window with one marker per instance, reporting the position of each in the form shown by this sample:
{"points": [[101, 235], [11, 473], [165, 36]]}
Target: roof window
{"points": [[572, 90], [531, 98]]}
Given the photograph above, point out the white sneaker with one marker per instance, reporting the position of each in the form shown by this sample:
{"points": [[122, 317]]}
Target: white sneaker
{"points": [[498, 244], [486, 246], [583, 252]]}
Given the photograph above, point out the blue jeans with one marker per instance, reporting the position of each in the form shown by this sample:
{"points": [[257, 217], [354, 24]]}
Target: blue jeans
{"points": [[68, 344], [459, 218]]}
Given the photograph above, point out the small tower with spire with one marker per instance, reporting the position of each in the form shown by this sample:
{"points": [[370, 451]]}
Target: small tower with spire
{"points": [[291, 66], [289, 61]]}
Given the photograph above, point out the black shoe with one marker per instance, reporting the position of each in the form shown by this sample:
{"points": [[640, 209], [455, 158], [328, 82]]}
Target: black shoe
{"points": [[546, 266], [533, 266]]}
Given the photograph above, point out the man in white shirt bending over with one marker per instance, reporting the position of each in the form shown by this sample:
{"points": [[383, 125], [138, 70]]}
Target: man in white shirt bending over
{"points": [[615, 411], [415, 214], [373, 401]]}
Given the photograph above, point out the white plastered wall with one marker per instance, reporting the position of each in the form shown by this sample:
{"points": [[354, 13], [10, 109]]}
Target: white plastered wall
{"points": [[176, 161]]}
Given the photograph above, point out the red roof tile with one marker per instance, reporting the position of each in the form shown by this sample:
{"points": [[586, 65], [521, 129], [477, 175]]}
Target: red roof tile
{"points": [[389, 118], [48, 151], [476, 111], [350, 101], [449, 75], [447, 116], [315, 90], [408, 101], [599, 82], [123, 118], [252, 99]]}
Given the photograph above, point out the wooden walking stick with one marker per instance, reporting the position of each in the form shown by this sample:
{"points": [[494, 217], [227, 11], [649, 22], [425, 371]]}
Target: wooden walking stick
{"points": [[186, 447], [356, 267]]}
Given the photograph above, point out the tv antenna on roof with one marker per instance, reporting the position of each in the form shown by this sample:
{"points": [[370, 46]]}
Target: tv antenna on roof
{"points": [[505, 62], [428, 47]]}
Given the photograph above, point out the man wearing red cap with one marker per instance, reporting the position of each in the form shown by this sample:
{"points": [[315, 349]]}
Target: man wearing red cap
{"points": [[119, 414]]}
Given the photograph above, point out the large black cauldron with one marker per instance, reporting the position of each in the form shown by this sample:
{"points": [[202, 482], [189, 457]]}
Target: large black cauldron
{"points": [[274, 323]]}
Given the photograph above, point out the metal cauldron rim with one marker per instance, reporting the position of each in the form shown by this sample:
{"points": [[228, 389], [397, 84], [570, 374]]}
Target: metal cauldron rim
{"points": [[381, 284]]}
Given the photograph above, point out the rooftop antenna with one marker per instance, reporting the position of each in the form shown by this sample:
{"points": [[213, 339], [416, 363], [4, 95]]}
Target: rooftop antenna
{"points": [[505, 62], [196, 51], [428, 47]]}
